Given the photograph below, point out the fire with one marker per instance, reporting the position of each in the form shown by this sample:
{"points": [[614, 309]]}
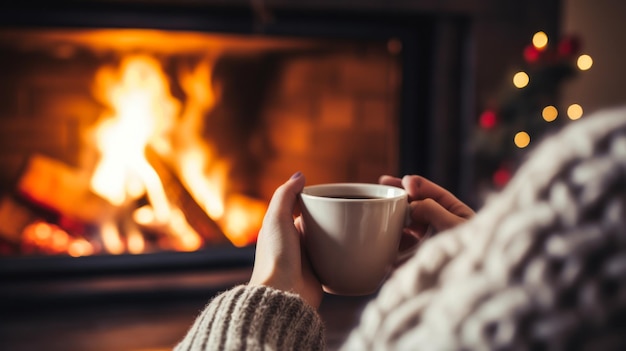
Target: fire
{"points": [[111, 238], [203, 172], [143, 110], [244, 217], [144, 114], [51, 239]]}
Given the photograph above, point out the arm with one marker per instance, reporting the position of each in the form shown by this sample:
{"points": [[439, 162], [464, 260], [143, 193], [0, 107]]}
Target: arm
{"points": [[254, 317], [277, 308]]}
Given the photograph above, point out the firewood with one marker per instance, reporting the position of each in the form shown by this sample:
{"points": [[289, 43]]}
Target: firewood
{"points": [[180, 197], [57, 187]]}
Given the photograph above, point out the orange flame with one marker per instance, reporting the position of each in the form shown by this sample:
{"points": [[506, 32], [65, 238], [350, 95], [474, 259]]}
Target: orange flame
{"points": [[203, 172], [143, 112]]}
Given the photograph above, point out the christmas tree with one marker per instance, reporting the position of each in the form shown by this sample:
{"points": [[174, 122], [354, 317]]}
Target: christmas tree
{"points": [[526, 111]]}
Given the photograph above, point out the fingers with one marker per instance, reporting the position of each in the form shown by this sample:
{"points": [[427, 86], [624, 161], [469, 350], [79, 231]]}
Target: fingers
{"points": [[420, 188], [430, 212], [389, 180]]}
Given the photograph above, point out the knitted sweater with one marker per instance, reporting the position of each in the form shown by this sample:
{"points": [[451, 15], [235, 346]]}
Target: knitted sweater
{"points": [[255, 318], [542, 266]]}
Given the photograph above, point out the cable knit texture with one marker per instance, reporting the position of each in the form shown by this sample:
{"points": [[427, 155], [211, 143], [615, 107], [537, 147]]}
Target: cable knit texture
{"points": [[255, 318], [541, 267]]}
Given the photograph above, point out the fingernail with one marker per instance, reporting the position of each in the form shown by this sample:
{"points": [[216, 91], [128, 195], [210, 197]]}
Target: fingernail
{"points": [[296, 175]]}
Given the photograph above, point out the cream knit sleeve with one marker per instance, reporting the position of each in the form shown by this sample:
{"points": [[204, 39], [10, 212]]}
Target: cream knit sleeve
{"points": [[541, 267], [255, 318]]}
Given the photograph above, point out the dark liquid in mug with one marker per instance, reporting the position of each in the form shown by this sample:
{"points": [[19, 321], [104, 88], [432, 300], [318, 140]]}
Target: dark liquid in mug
{"points": [[361, 197]]}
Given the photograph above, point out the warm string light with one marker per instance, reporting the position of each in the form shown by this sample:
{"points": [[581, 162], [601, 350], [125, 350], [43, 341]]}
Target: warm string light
{"points": [[522, 139], [521, 79], [531, 53], [584, 62], [540, 40], [549, 113], [534, 52], [574, 111]]}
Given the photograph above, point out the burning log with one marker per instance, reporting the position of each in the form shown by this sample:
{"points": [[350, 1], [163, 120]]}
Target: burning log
{"points": [[180, 197], [25, 232], [54, 187], [57, 187], [54, 210]]}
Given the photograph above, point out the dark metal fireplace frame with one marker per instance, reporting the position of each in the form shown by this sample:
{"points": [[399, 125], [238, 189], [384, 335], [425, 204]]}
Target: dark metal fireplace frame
{"points": [[438, 95]]}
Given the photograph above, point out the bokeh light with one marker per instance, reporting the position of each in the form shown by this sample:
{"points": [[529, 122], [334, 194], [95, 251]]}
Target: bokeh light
{"points": [[549, 113], [540, 40], [501, 177], [520, 79], [488, 119], [531, 53], [574, 112], [522, 139], [584, 62]]}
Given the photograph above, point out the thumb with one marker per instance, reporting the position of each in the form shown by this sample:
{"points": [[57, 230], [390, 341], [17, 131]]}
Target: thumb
{"points": [[283, 201]]}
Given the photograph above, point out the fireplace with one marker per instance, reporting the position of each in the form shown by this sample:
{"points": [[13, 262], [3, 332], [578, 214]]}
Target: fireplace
{"points": [[254, 90], [123, 141], [141, 144], [146, 139]]}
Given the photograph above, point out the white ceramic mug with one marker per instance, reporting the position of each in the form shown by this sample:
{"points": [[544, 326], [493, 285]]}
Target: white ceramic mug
{"points": [[352, 233]]}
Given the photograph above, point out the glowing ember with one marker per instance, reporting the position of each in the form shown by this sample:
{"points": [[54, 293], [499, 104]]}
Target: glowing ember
{"points": [[111, 239], [51, 239], [80, 247]]}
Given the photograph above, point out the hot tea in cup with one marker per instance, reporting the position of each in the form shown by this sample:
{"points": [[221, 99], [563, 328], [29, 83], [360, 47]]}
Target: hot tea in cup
{"points": [[352, 232]]}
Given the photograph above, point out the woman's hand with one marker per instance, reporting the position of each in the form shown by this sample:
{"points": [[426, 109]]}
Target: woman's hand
{"points": [[431, 206], [280, 261]]}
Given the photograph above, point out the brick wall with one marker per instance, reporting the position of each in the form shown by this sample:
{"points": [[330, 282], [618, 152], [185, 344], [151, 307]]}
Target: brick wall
{"points": [[46, 103], [334, 117]]}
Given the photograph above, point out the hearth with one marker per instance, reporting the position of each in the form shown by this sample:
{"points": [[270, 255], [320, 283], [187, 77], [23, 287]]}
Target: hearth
{"points": [[140, 143]]}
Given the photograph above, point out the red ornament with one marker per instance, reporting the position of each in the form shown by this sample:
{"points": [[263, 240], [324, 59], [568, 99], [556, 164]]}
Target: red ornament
{"points": [[531, 53], [568, 46], [488, 119], [501, 177]]}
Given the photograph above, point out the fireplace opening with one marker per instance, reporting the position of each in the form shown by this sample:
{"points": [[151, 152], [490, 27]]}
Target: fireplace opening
{"points": [[139, 148], [132, 141]]}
